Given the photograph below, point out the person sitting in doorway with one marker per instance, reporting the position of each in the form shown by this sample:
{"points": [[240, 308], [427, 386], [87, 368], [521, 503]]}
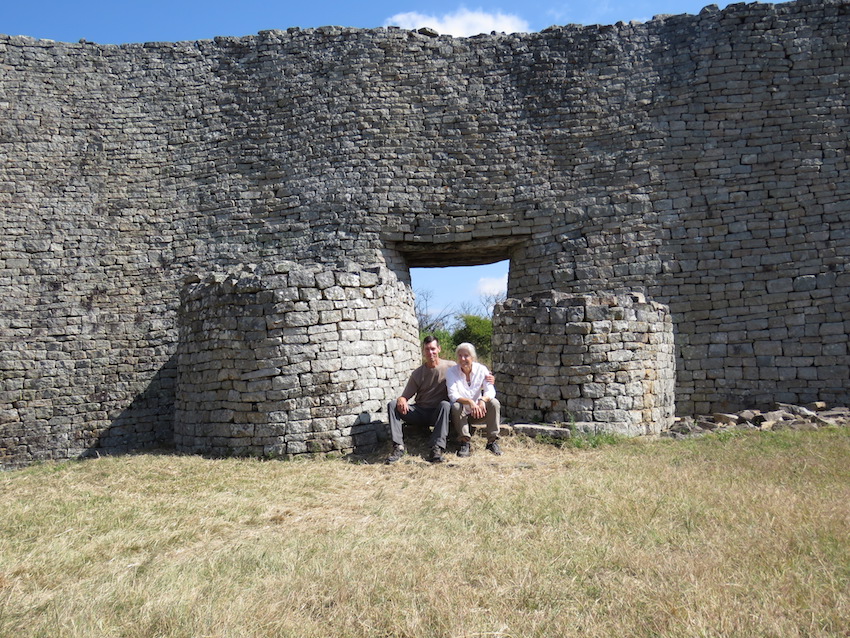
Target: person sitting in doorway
{"points": [[473, 400], [431, 408]]}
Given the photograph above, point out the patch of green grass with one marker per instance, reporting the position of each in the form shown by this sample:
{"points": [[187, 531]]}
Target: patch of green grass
{"points": [[582, 440], [724, 435]]}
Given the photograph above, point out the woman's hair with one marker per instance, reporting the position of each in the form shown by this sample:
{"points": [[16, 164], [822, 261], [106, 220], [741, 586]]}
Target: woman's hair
{"points": [[469, 348]]}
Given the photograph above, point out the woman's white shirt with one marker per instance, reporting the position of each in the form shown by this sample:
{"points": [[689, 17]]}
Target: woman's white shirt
{"points": [[474, 389]]}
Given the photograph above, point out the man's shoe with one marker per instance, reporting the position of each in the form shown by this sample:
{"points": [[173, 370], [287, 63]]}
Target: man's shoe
{"points": [[464, 450], [436, 455], [493, 446], [397, 453]]}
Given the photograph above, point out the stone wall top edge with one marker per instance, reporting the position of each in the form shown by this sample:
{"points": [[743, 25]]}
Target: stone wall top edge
{"points": [[267, 36], [554, 298], [276, 267], [264, 36]]}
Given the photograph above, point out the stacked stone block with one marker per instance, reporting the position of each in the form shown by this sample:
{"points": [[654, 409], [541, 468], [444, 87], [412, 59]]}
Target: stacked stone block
{"points": [[288, 359], [598, 363], [699, 159]]}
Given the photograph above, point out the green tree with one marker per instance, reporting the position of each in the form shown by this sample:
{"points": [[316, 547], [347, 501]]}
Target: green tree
{"points": [[447, 342], [478, 331]]}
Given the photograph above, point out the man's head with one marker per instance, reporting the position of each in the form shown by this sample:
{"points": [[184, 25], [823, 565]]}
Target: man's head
{"points": [[431, 351]]}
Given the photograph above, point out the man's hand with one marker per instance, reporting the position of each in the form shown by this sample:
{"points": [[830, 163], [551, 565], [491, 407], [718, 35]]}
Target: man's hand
{"points": [[490, 379], [401, 406]]}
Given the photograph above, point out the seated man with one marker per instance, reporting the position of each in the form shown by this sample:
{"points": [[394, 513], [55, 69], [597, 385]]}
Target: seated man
{"points": [[428, 385], [473, 399]]}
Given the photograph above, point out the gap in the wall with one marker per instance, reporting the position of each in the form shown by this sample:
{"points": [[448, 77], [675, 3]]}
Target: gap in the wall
{"points": [[449, 291]]}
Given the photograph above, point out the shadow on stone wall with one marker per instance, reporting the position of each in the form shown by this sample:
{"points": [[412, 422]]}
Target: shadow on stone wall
{"points": [[147, 423]]}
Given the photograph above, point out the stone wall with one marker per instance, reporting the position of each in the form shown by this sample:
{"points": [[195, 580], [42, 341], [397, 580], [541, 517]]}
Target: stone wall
{"points": [[597, 363], [701, 160], [286, 359]]}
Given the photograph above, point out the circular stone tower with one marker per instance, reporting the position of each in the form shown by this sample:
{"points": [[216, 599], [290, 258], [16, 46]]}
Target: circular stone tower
{"points": [[287, 359], [601, 363]]}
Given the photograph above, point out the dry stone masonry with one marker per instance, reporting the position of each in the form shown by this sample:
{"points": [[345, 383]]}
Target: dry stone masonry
{"points": [[285, 358], [587, 360], [698, 160]]}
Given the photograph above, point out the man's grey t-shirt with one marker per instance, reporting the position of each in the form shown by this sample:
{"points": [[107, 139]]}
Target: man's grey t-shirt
{"points": [[428, 385]]}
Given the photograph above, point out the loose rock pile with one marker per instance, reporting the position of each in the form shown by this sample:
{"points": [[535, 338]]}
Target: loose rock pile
{"points": [[796, 417], [785, 416]]}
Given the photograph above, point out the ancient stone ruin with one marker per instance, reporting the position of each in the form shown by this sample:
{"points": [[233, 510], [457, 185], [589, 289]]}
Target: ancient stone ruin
{"points": [[207, 244], [272, 359], [588, 360]]}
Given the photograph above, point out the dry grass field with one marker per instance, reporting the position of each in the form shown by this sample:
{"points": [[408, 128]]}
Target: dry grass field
{"points": [[714, 537]]}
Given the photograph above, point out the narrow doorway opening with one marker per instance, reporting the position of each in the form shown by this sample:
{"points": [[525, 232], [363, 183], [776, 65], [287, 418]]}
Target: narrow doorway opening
{"points": [[455, 304]]}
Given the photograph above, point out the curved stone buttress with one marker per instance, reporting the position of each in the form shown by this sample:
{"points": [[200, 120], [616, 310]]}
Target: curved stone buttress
{"points": [[286, 358], [602, 362]]}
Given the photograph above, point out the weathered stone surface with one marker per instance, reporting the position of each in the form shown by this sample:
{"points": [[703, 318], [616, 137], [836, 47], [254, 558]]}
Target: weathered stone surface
{"points": [[700, 160], [815, 415], [598, 396], [320, 410], [537, 429]]}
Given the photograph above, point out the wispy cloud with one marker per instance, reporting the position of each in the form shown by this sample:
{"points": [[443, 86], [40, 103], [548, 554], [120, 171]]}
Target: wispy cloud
{"points": [[461, 23], [492, 285]]}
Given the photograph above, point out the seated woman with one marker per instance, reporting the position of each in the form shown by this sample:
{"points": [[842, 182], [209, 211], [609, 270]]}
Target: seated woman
{"points": [[473, 399]]}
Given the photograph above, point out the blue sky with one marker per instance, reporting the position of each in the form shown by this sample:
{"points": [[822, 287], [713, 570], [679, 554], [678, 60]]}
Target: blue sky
{"points": [[122, 21]]}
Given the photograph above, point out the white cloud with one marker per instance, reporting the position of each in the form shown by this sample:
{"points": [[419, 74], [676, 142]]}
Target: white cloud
{"points": [[492, 285], [461, 23]]}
